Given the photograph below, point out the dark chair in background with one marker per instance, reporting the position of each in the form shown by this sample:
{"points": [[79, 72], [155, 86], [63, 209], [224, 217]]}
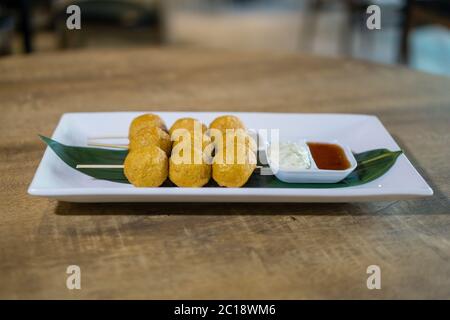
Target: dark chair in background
{"points": [[7, 23], [20, 9], [355, 19], [419, 13], [405, 15], [127, 22], [112, 22]]}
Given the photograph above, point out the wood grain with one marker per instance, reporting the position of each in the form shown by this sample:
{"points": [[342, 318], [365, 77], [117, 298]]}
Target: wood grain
{"points": [[224, 250]]}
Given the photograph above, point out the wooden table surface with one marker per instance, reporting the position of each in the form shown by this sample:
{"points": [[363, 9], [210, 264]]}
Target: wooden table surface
{"points": [[227, 250]]}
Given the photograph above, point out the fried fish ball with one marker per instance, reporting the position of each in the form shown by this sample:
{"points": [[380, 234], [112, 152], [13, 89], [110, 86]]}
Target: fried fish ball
{"points": [[223, 123], [151, 136], [196, 139], [193, 172], [144, 121], [188, 124], [234, 172], [146, 167], [232, 137]]}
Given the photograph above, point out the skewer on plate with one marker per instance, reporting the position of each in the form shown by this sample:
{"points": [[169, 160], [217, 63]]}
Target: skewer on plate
{"points": [[114, 166], [107, 145], [100, 166]]}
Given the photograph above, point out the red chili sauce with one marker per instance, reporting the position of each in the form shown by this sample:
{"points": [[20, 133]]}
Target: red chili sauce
{"points": [[328, 156]]}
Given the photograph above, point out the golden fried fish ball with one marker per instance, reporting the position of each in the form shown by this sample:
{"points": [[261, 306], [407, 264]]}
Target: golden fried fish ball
{"points": [[154, 136], [144, 121], [188, 124], [232, 137], [197, 140], [146, 167], [226, 122], [234, 172], [191, 171]]}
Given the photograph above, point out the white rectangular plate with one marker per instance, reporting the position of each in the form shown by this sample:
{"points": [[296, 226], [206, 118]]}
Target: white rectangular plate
{"points": [[54, 179]]}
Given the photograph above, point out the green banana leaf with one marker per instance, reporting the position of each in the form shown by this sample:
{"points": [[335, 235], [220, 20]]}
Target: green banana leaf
{"points": [[372, 164]]}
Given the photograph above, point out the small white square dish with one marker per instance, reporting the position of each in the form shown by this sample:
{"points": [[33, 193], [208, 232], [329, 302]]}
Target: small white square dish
{"points": [[311, 174], [54, 179]]}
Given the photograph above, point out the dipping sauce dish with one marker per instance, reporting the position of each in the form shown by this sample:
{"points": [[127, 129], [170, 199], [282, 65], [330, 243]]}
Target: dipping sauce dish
{"points": [[328, 156], [330, 162]]}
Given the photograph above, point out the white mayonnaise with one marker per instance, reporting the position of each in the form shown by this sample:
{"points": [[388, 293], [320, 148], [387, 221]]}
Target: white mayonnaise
{"points": [[290, 156]]}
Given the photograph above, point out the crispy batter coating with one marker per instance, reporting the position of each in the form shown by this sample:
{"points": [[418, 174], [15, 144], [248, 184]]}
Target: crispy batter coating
{"points": [[154, 136], [188, 124], [197, 139], [148, 120], [191, 171], [232, 137], [233, 169], [146, 167], [226, 122]]}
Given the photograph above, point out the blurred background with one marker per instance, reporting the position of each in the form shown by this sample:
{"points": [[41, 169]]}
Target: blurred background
{"points": [[414, 33]]}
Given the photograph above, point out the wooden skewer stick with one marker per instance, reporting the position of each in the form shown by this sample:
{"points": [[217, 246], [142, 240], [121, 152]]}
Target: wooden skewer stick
{"points": [[99, 166], [107, 145], [112, 166], [108, 137]]}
